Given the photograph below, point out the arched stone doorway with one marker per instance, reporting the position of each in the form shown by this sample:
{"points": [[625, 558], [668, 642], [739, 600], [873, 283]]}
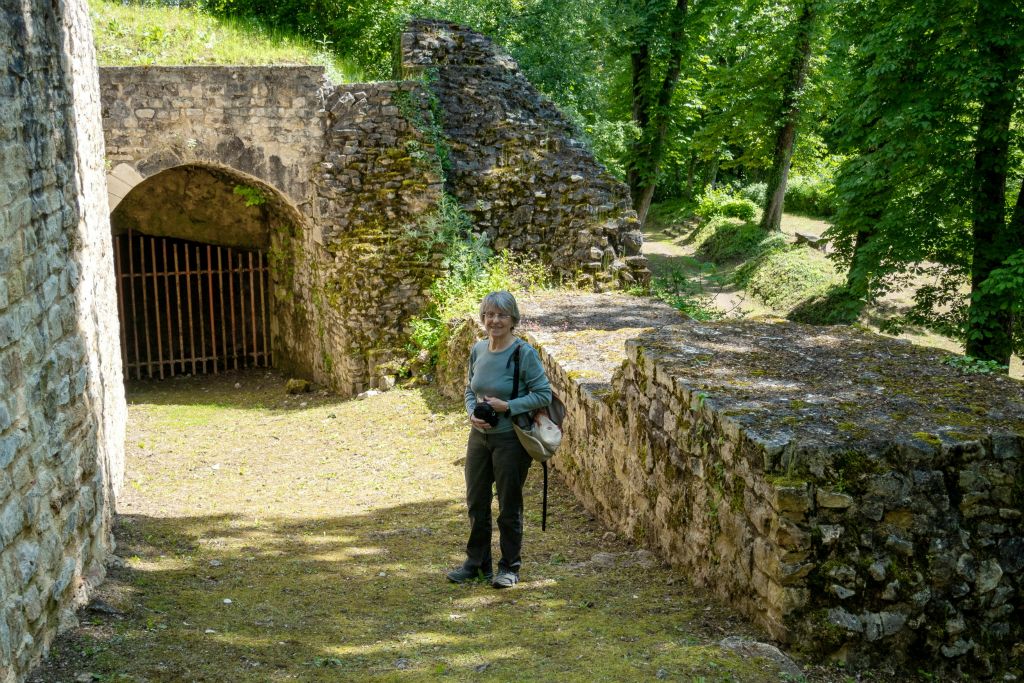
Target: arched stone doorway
{"points": [[194, 249]]}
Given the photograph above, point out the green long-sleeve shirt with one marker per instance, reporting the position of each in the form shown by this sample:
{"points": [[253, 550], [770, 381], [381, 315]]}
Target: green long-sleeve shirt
{"points": [[490, 374]]}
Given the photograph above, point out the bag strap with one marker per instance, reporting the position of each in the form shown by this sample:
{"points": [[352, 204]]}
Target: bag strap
{"points": [[544, 509], [515, 394], [515, 373]]}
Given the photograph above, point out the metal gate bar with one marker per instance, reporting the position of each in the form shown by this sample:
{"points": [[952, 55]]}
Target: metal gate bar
{"points": [[190, 308]]}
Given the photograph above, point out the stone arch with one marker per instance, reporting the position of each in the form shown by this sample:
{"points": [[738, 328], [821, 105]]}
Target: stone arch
{"points": [[200, 253]]}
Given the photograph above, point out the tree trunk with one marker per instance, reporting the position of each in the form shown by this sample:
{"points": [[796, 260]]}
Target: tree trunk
{"points": [[989, 324], [856, 280], [789, 113], [690, 170], [712, 173], [651, 114]]}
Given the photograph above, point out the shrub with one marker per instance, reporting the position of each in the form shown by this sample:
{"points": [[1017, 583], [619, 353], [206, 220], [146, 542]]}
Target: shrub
{"points": [[783, 278], [708, 228], [813, 196], [472, 273], [754, 193], [721, 203]]}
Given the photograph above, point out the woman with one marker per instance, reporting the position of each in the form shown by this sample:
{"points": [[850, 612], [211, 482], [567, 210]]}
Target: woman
{"points": [[494, 454]]}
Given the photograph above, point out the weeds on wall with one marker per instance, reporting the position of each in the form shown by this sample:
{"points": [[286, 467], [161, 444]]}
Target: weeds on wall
{"points": [[430, 126], [471, 271], [969, 365], [253, 196], [686, 289]]}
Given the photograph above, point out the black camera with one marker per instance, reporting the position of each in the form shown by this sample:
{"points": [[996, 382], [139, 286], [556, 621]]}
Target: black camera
{"points": [[484, 411]]}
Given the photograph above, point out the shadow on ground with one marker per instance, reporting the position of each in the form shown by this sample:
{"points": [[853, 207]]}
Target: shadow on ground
{"points": [[263, 537], [362, 597]]}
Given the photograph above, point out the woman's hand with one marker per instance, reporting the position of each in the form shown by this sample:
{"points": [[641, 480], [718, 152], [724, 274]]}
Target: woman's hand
{"points": [[496, 403], [478, 423]]}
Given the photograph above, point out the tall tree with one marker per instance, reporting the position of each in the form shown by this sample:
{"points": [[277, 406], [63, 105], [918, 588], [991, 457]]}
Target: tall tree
{"points": [[789, 114], [998, 27], [928, 109], [653, 85]]}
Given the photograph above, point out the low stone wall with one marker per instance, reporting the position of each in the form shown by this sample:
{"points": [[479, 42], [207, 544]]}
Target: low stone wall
{"points": [[850, 493], [517, 165], [62, 410]]}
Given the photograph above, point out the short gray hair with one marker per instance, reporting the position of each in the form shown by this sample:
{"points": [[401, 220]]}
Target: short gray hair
{"points": [[502, 301]]}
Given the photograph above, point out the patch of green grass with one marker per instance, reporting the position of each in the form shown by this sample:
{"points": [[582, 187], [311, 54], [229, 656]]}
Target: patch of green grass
{"points": [[726, 239], [153, 34], [784, 278]]}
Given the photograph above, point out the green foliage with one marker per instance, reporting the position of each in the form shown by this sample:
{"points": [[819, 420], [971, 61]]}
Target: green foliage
{"points": [[1005, 286], [148, 33], [783, 278], [920, 74], [429, 124], [253, 196], [447, 226], [471, 271], [611, 142], [361, 30], [725, 240], [754, 192], [810, 195], [974, 366], [716, 202], [685, 292]]}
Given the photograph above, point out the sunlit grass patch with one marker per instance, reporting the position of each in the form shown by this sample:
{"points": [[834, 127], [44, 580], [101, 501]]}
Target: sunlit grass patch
{"points": [[130, 34]]}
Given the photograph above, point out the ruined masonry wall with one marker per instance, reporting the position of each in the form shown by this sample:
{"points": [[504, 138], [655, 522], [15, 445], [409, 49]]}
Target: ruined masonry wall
{"points": [[354, 184], [353, 187], [517, 165], [62, 406]]}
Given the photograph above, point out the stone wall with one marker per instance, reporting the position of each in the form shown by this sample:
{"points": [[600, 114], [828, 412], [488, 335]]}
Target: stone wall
{"points": [[354, 177], [852, 494], [352, 190], [62, 406], [516, 163]]}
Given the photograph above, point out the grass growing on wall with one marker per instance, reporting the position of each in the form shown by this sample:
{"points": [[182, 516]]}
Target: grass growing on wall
{"points": [[148, 35]]}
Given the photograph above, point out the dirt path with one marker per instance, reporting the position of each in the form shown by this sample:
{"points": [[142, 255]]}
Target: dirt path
{"points": [[275, 538]]}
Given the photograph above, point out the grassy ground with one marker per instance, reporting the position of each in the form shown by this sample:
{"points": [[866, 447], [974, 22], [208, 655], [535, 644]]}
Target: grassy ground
{"points": [[144, 35], [274, 538], [671, 255]]}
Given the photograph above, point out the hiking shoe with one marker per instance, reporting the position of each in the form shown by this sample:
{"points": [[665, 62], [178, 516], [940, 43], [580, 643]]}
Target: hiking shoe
{"points": [[462, 575], [505, 579]]}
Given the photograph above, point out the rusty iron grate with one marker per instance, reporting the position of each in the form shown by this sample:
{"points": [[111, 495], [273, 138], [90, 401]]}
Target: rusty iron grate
{"points": [[190, 308]]}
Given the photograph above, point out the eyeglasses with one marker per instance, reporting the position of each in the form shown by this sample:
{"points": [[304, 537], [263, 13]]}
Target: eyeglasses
{"points": [[496, 316]]}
